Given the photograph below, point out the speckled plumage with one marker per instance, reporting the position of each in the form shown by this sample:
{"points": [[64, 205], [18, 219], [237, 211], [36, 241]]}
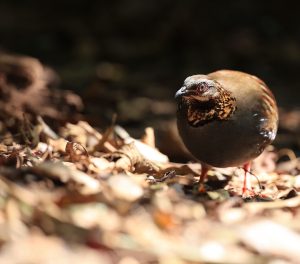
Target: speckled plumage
{"points": [[230, 131]]}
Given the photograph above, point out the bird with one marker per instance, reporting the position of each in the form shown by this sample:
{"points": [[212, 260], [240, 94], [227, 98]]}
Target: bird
{"points": [[226, 119]]}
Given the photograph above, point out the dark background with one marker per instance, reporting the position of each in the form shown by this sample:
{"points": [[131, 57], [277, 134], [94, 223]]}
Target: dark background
{"points": [[131, 56], [161, 40]]}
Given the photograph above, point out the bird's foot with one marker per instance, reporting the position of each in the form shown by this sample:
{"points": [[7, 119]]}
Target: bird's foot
{"points": [[201, 188], [248, 193]]}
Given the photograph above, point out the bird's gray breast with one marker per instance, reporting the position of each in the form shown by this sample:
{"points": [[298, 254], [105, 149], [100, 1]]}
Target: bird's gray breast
{"points": [[224, 143]]}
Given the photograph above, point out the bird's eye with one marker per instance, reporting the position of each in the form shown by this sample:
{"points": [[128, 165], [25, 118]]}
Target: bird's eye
{"points": [[202, 87]]}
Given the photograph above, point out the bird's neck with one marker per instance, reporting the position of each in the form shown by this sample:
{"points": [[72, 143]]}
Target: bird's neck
{"points": [[225, 104], [219, 108]]}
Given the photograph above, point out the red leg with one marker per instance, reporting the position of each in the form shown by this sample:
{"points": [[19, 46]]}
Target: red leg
{"points": [[204, 170], [246, 168], [247, 189]]}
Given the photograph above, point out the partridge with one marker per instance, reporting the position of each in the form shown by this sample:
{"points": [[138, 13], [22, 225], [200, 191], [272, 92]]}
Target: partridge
{"points": [[226, 119]]}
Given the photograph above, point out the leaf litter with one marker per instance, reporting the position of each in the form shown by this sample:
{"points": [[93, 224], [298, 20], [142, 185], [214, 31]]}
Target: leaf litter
{"points": [[80, 200], [72, 194]]}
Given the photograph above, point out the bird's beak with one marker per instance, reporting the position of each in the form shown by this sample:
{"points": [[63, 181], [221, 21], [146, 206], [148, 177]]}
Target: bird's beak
{"points": [[181, 92], [190, 94]]}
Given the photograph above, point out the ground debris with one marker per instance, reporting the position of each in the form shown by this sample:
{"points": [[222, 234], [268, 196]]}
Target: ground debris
{"points": [[95, 197]]}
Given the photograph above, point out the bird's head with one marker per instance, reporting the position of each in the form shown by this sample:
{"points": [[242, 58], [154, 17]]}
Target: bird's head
{"points": [[198, 88], [203, 100]]}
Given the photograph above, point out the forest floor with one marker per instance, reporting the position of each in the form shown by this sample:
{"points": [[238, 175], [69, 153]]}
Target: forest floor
{"points": [[72, 194]]}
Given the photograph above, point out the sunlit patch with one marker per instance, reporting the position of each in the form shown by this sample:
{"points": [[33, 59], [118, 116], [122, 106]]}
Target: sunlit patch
{"points": [[213, 251]]}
